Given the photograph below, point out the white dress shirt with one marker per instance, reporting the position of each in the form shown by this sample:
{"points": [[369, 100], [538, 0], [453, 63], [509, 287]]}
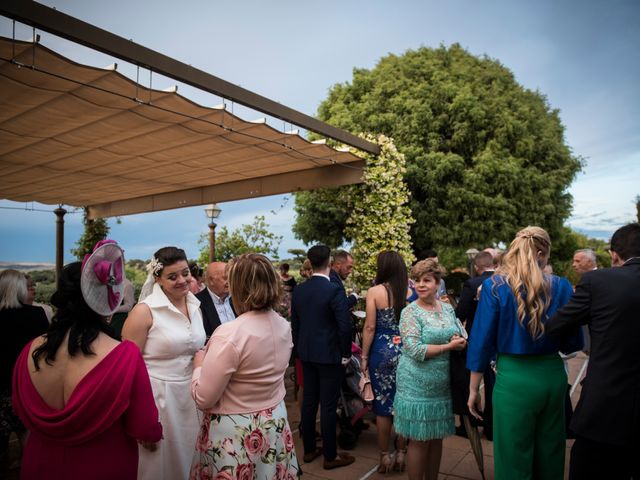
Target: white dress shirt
{"points": [[223, 307]]}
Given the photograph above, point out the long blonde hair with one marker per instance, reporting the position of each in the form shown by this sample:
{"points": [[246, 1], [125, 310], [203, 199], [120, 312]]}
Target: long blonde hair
{"points": [[523, 274]]}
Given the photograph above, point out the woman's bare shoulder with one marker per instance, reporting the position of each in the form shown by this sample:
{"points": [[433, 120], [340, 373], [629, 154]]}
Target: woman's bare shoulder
{"points": [[141, 313], [37, 343], [377, 291]]}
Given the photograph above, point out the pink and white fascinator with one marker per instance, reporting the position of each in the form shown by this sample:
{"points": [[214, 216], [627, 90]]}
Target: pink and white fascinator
{"points": [[102, 280]]}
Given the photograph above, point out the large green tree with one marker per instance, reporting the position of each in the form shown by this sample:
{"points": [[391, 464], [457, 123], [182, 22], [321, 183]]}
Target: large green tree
{"points": [[485, 156], [322, 215]]}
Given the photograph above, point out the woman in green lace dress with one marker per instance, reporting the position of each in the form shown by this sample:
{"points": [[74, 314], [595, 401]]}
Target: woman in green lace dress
{"points": [[423, 411]]}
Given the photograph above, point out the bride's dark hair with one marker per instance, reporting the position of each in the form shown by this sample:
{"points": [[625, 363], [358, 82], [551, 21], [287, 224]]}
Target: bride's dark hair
{"points": [[168, 256]]}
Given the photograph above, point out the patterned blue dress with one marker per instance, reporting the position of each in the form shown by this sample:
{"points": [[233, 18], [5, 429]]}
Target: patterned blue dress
{"points": [[383, 360], [422, 406]]}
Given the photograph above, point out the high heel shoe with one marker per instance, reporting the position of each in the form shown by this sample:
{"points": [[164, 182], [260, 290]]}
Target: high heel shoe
{"points": [[399, 462], [385, 463]]}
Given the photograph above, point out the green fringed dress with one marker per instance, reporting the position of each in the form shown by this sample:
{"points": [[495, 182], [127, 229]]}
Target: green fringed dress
{"points": [[422, 406]]}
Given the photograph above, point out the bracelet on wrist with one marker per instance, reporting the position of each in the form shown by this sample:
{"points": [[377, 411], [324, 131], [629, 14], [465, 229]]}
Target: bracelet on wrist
{"points": [[364, 357]]}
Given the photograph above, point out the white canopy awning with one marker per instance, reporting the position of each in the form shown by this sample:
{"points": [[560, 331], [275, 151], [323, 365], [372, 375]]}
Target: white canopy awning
{"points": [[84, 136]]}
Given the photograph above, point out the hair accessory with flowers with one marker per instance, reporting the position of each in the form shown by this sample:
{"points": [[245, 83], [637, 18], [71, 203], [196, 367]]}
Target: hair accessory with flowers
{"points": [[154, 266]]}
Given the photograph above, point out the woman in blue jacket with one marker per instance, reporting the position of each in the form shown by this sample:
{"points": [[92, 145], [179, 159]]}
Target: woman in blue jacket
{"points": [[528, 398]]}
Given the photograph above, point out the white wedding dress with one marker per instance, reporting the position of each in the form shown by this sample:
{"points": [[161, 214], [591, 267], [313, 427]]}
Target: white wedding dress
{"points": [[168, 354]]}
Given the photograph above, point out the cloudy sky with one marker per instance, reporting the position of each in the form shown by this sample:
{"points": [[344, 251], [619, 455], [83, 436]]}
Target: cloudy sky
{"points": [[582, 54]]}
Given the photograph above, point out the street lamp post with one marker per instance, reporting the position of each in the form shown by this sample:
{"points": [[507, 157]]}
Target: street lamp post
{"points": [[213, 212], [471, 254]]}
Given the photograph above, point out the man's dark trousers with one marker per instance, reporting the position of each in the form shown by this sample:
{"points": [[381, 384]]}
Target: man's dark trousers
{"points": [[321, 385], [596, 460]]}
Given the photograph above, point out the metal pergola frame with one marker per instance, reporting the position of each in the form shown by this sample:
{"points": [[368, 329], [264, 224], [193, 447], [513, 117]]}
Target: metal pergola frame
{"points": [[65, 26]]}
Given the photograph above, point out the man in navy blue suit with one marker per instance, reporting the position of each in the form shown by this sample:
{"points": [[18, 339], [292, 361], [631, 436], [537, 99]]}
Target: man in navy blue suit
{"points": [[322, 337]]}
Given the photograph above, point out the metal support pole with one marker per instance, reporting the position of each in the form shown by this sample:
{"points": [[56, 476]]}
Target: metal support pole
{"points": [[60, 212], [212, 242]]}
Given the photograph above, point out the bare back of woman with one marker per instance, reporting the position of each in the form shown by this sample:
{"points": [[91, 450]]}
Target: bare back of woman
{"points": [[56, 382]]}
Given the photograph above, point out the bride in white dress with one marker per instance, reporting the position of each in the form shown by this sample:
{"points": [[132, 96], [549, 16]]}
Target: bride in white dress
{"points": [[167, 326]]}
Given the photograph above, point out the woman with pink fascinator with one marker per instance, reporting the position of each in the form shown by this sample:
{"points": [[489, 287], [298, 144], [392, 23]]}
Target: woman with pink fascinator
{"points": [[84, 397]]}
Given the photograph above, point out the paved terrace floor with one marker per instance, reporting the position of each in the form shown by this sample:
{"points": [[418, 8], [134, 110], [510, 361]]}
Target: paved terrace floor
{"points": [[458, 462]]}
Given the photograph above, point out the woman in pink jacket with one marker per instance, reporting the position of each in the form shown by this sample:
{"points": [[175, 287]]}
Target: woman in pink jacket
{"points": [[238, 381]]}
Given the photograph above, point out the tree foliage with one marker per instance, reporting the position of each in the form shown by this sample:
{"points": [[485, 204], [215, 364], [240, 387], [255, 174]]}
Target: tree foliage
{"points": [[322, 215], [380, 218], [485, 156], [299, 254], [248, 238], [94, 231]]}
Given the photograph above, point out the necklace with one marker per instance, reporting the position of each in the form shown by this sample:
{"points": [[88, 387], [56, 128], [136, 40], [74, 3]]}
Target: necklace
{"points": [[437, 319], [430, 307]]}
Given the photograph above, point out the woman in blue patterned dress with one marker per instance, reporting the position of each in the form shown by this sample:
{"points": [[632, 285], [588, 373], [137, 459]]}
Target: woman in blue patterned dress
{"points": [[422, 406], [381, 348]]}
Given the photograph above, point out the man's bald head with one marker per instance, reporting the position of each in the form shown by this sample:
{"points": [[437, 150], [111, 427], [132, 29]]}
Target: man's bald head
{"points": [[216, 279]]}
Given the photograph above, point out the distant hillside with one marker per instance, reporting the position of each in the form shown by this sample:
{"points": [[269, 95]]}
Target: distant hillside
{"points": [[27, 266]]}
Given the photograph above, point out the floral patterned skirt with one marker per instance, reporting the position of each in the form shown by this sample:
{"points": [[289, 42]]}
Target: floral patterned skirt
{"points": [[246, 446]]}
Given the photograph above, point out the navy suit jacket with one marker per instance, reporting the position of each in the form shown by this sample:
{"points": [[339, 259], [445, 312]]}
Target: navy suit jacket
{"points": [[335, 278], [608, 301], [210, 317], [320, 322], [468, 304]]}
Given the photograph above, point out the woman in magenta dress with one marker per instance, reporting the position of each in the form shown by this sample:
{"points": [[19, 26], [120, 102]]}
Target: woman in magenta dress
{"points": [[84, 397]]}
